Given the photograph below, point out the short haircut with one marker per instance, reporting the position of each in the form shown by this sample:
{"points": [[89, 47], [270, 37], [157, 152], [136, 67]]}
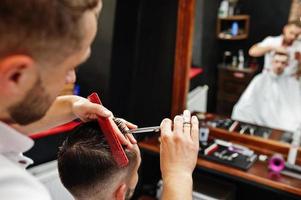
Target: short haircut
{"points": [[278, 53], [42, 29], [86, 165], [294, 22]]}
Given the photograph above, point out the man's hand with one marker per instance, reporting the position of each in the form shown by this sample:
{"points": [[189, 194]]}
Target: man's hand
{"points": [[83, 109], [69, 107], [297, 75], [126, 139], [87, 111], [280, 49], [178, 155]]}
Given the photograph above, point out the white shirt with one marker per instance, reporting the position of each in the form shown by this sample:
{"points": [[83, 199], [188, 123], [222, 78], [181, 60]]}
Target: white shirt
{"points": [[277, 42], [15, 182], [271, 100]]}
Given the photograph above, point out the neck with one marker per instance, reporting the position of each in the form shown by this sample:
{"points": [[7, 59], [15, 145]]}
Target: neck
{"points": [[5, 118], [286, 42]]}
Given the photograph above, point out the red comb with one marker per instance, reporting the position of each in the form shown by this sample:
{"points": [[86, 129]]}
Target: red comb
{"points": [[106, 126]]}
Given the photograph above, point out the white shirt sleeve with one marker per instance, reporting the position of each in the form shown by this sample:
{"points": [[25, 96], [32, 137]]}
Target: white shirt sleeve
{"points": [[17, 184], [268, 41]]}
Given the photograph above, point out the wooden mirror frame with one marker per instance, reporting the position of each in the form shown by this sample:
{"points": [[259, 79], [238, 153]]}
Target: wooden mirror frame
{"points": [[183, 55]]}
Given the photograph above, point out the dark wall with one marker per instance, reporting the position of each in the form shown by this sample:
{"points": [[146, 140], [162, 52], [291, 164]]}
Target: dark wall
{"points": [[132, 59], [267, 17], [143, 60], [94, 74], [207, 46]]}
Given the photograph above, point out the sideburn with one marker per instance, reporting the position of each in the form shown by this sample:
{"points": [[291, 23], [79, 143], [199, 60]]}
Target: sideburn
{"points": [[33, 107]]}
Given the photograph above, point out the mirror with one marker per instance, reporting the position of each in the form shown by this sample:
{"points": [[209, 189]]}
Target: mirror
{"points": [[248, 53]]}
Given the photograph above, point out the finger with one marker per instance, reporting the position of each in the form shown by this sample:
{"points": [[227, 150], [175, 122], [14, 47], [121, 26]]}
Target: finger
{"points": [[186, 116], [100, 110], [131, 138], [187, 129], [88, 118], [124, 129], [129, 124], [120, 136], [195, 130], [187, 123], [165, 127], [178, 125]]}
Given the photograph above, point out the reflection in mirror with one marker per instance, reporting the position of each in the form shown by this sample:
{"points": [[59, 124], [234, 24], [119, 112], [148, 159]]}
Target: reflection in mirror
{"points": [[273, 97], [249, 54]]}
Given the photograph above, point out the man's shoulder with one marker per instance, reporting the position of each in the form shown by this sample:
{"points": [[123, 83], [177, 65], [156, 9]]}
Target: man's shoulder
{"points": [[273, 38], [16, 183]]}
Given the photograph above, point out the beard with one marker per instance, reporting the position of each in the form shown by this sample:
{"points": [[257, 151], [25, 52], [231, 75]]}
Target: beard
{"points": [[33, 107], [129, 194]]}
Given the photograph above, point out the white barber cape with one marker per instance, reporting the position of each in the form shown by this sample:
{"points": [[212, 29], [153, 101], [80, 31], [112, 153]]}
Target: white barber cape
{"points": [[15, 182], [272, 101]]}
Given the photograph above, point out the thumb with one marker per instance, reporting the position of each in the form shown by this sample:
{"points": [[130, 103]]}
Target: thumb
{"points": [[99, 110]]}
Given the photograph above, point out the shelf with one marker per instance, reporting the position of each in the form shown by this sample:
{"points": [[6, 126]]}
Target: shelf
{"points": [[224, 24], [238, 37], [235, 17], [194, 71]]}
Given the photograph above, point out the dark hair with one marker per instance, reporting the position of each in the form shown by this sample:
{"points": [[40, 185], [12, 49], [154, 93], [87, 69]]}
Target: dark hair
{"points": [[85, 162], [41, 28], [294, 22], [280, 54]]}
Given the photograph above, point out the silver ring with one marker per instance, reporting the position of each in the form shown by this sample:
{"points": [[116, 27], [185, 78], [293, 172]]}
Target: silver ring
{"points": [[186, 124]]}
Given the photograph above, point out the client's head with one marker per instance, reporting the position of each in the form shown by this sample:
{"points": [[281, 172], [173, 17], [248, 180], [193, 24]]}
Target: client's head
{"points": [[280, 61], [87, 168]]}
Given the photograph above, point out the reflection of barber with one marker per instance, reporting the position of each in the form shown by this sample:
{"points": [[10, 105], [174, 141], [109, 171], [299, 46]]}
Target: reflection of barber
{"points": [[272, 99], [285, 43]]}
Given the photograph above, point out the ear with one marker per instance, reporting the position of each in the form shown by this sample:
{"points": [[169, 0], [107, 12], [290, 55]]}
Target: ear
{"points": [[284, 28], [120, 192], [17, 72]]}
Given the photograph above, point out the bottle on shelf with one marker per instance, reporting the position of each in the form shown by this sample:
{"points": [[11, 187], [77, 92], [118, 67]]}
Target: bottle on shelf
{"points": [[234, 61], [223, 9], [232, 7], [241, 59], [292, 154], [227, 58], [234, 29]]}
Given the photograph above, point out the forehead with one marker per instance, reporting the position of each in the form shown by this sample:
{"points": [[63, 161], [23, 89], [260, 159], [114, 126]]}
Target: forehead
{"points": [[280, 58], [293, 27]]}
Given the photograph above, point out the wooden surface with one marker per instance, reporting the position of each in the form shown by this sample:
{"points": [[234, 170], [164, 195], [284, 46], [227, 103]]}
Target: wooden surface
{"points": [[234, 18], [258, 144], [183, 55], [231, 84], [258, 173]]}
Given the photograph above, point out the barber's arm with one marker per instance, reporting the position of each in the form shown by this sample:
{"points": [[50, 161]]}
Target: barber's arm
{"points": [[178, 157], [266, 46], [257, 51], [69, 107]]}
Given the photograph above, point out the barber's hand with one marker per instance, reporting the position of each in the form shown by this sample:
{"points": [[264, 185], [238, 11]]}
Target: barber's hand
{"points": [[297, 75], [179, 146], [87, 111], [126, 139], [280, 49]]}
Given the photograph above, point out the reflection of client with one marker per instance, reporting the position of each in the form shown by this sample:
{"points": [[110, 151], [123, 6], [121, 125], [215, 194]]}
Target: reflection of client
{"points": [[271, 99], [285, 43]]}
